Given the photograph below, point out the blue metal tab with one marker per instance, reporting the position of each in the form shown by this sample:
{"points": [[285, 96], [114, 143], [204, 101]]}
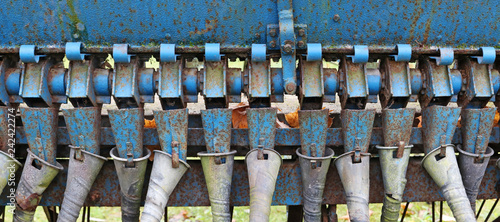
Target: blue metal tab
{"points": [[314, 52], [27, 54], [357, 128], [167, 53], [259, 52], [84, 127], [313, 125], [287, 45], [120, 53], [217, 129], [125, 86], [438, 125], [73, 51], [404, 53], [102, 85], [489, 55], [476, 128], [128, 130], [40, 127], [261, 127], [360, 54], [172, 126], [445, 58], [212, 52]]}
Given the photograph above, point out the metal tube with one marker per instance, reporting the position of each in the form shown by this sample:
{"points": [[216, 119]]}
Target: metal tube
{"points": [[445, 172], [8, 167], [313, 173], [218, 171], [36, 177], [355, 179], [163, 180], [262, 176], [81, 175], [131, 177]]}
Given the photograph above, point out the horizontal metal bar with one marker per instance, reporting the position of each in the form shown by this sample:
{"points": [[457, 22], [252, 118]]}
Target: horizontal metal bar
{"points": [[155, 50], [239, 137], [192, 190]]}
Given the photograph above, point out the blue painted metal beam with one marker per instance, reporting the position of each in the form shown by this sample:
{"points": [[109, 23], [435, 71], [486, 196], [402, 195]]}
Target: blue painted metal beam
{"points": [[241, 23]]}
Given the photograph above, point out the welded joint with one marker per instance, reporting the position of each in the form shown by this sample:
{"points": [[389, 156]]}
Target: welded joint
{"points": [[404, 53], [361, 54], [167, 53], [445, 58], [212, 52], [27, 54], [120, 53], [488, 55], [73, 51]]}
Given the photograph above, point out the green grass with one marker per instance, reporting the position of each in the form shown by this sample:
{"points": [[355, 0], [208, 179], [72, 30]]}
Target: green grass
{"points": [[416, 212]]}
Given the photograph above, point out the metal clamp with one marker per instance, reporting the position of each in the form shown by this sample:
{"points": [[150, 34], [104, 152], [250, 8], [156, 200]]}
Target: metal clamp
{"points": [[120, 53], [175, 154], [259, 52], [212, 52], [130, 156], [360, 54], [73, 51], [404, 53], [445, 58], [27, 54], [167, 53], [314, 52], [488, 57]]}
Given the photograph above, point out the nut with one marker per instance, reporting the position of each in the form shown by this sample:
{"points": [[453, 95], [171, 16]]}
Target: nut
{"points": [[287, 48], [302, 32], [336, 17], [272, 44], [272, 32], [300, 44]]}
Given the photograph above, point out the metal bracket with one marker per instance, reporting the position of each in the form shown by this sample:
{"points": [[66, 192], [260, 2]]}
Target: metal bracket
{"points": [[313, 126], [361, 54], [261, 128], [73, 51], [125, 87], [167, 53], [353, 90], [396, 85], [214, 78], [172, 126], [120, 53], [488, 57], [259, 73], [27, 54], [477, 89], [404, 53], [34, 84], [311, 84], [445, 58], [80, 84]]}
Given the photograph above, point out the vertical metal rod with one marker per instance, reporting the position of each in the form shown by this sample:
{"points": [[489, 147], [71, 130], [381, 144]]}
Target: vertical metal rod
{"points": [[88, 214], [433, 209], [441, 211], [332, 213], [491, 211], [165, 216], [480, 208], [84, 213], [404, 211]]}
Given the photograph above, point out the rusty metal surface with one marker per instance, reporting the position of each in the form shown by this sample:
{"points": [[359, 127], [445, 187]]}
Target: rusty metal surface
{"points": [[172, 128], [261, 127], [439, 124], [397, 125], [128, 125], [84, 125], [40, 125], [313, 125], [105, 191], [357, 127], [217, 129]]}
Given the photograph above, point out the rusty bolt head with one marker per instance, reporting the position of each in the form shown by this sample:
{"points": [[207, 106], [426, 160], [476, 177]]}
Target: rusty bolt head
{"points": [[300, 44], [257, 35], [168, 36], [287, 48], [272, 44], [336, 17], [290, 87], [302, 32], [272, 32]]}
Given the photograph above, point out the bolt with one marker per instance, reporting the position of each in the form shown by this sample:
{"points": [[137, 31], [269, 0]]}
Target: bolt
{"points": [[302, 32], [168, 36], [355, 37], [336, 17], [257, 35], [272, 44], [287, 48], [300, 44], [80, 26], [272, 32], [290, 87], [76, 35]]}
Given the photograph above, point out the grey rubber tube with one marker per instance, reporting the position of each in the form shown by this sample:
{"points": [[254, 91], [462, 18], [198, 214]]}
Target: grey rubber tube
{"points": [[262, 176], [355, 179], [131, 182], [445, 172], [34, 180], [164, 178], [81, 175], [394, 177], [218, 171], [313, 173]]}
